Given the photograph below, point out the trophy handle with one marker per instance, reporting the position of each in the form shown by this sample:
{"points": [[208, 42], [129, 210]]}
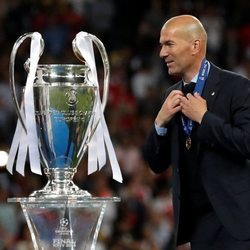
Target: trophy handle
{"points": [[12, 72], [105, 62]]}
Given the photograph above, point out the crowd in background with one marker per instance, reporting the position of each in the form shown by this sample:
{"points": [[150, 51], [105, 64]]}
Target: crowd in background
{"points": [[143, 220]]}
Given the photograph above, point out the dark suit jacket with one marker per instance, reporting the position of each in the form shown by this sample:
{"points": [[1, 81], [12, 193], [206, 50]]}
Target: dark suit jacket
{"points": [[224, 150]]}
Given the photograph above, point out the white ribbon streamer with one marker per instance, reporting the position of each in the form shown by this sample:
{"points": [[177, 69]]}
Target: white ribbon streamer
{"points": [[96, 146], [14, 148], [22, 141], [22, 152], [32, 137]]}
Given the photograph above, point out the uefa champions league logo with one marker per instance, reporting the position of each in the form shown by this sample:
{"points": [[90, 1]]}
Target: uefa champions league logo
{"points": [[63, 225], [64, 230], [72, 97]]}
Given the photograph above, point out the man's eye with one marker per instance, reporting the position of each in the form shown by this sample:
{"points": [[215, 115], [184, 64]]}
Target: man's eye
{"points": [[167, 44], [170, 44]]}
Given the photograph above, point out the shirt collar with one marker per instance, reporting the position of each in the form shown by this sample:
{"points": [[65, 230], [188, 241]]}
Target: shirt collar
{"points": [[193, 80]]}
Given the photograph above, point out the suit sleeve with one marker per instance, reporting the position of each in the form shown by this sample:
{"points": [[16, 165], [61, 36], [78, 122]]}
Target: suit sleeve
{"points": [[229, 131], [156, 151]]}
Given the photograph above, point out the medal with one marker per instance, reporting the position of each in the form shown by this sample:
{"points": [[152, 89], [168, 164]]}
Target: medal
{"points": [[187, 126], [188, 143]]}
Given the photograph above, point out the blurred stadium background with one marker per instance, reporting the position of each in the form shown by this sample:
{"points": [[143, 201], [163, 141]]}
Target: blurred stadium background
{"points": [[130, 32]]}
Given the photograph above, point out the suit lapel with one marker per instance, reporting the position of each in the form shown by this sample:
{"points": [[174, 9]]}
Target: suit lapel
{"points": [[211, 86], [211, 89], [175, 139]]}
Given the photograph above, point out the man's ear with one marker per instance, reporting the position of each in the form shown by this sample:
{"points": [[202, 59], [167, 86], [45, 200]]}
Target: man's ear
{"points": [[196, 46]]}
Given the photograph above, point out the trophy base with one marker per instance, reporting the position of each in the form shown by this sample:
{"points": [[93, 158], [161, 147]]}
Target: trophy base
{"points": [[60, 184], [52, 190]]}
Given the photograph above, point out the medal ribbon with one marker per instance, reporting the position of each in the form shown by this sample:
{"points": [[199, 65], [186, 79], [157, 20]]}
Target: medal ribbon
{"points": [[202, 76]]}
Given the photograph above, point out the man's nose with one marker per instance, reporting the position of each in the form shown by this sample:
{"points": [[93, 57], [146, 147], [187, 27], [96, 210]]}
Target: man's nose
{"points": [[163, 52]]}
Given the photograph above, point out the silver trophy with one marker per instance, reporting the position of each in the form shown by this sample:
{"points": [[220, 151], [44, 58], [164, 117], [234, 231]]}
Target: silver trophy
{"points": [[65, 102], [66, 107]]}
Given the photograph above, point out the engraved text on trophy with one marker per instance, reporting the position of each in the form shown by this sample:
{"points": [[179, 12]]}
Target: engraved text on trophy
{"points": [[63, 117]]}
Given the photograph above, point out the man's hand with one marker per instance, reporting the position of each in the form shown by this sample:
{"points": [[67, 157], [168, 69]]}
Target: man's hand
{"points": [[193, 106], [169, 108]]}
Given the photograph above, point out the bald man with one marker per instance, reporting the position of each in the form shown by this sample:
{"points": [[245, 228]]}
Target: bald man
{"points": [[203, 131]]}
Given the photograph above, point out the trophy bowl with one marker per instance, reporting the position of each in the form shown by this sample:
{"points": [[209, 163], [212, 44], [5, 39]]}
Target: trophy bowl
{"points": [[65, 102]]}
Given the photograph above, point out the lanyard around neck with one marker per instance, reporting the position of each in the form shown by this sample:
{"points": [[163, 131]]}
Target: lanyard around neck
{"points": [[199, 86]]}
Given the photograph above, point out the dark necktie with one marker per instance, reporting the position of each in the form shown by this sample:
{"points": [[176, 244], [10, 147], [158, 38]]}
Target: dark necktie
{"points": [[188, 88]]}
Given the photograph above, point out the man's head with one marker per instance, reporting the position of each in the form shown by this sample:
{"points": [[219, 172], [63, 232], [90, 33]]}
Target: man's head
{"points": [[183, 41]]}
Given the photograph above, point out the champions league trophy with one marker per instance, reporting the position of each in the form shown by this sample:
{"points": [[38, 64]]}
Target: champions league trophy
{"points": [[60, 118]]}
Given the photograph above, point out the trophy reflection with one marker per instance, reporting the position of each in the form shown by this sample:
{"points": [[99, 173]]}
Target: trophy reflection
{"points": [[64, 102]]}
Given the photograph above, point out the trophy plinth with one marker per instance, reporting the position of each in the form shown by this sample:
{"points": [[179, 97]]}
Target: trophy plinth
{"points": [[64, 223]]}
